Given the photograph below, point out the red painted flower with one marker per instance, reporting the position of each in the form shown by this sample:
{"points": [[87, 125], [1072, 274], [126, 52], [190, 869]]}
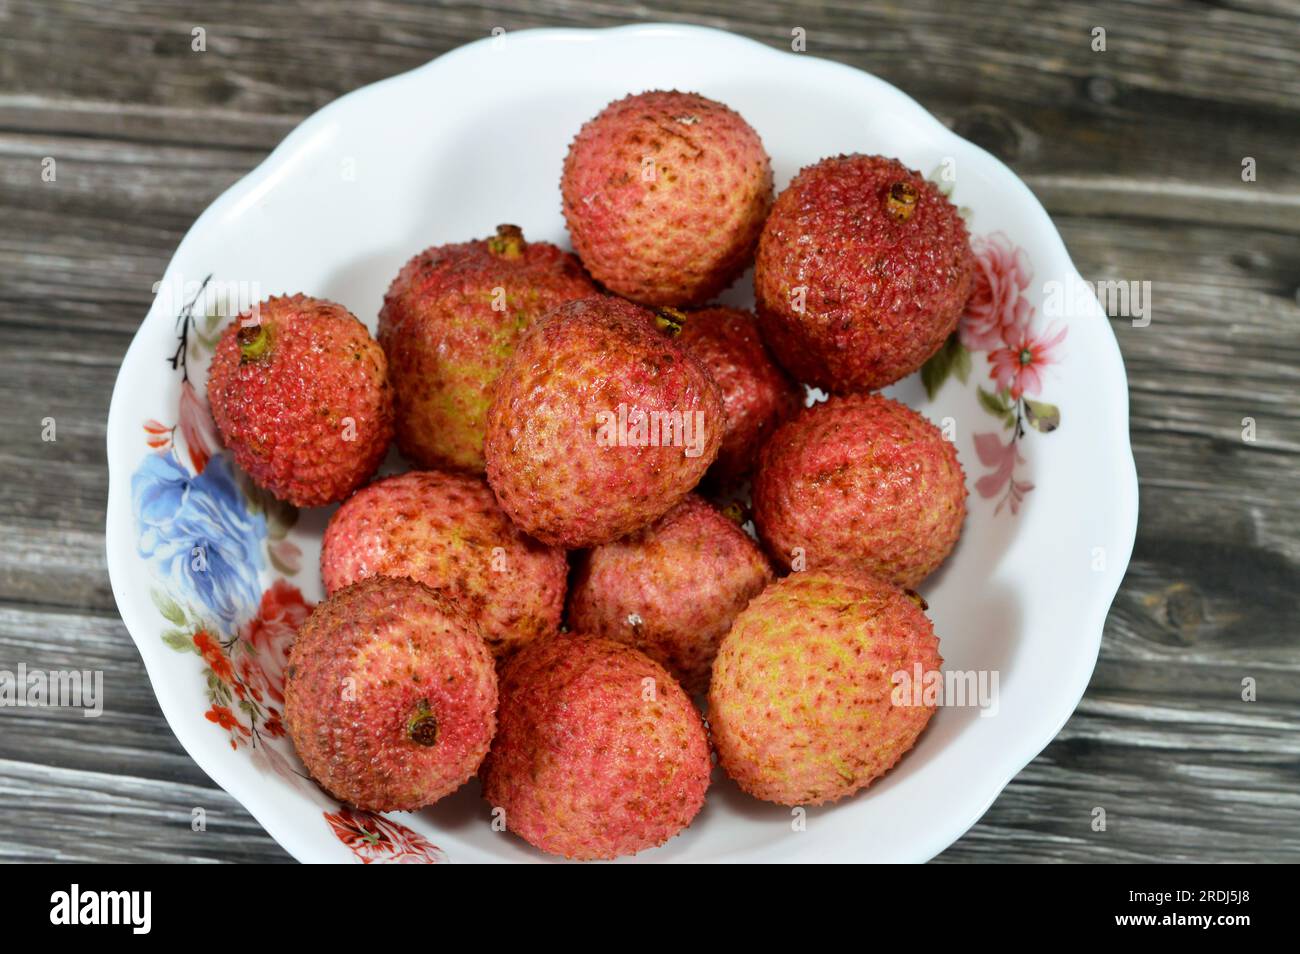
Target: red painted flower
{"points": [[223, 717], [1018, 365], [375, 839], [157, 435], [269, 635], [997, 306], [214, 655], [250, 678], [273, 726]]}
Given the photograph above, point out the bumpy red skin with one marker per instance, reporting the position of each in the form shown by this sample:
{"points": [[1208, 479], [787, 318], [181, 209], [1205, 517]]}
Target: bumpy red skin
{"points": [[284, 415], [671, 589], [860, 481], [549, 454], [366, 662], [446, 344], [756, 394], [882, 295], [679, 231], [800, 706], [599, 752], [447, 531]]}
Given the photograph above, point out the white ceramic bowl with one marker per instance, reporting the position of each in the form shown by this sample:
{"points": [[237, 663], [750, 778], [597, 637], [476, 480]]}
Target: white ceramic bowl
{"points": [[210, 580]]}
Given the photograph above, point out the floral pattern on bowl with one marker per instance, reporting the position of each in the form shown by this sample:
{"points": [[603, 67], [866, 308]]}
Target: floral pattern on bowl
{"points": [[209, 535], [998, 323], [375, 839]]}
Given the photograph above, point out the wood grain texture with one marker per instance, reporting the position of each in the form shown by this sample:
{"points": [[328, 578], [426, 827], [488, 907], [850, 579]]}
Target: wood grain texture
{"points": [[1136, 151]]}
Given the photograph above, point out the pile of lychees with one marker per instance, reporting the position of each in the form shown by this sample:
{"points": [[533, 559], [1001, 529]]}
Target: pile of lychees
{"points": [[546, 600]]}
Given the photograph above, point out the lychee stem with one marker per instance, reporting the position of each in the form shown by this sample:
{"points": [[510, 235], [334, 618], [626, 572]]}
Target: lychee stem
{"points": [[254, 341], [670, 321], [902, 200], [422, 727], [735, 512], [508, 242]]}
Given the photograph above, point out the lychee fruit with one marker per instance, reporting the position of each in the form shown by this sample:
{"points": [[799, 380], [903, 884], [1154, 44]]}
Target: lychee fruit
{"points": [[599, 424], [756, 394], [450, 320], [300, 395], [665, 194], [671, 589], [446, 530], [862, 272], [860, 481], [599, 753], [802, 706], [390, 695]]}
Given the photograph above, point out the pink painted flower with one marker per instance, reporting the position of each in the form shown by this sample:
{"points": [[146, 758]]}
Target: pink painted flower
{"points": [[1003, 458], [286, 555], [1018, 365], [997, 304], [1015, 496], [196, 427], [268, 757], [269, 635]]}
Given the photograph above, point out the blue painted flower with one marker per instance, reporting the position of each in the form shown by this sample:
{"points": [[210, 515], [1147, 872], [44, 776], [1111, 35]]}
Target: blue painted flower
{"points": [[200, 535]]}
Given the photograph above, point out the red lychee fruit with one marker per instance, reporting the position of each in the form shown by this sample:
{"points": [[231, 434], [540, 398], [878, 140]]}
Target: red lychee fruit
{"points": [[599, 752], [299, 392], [671, 589], [860, 481], [862, 272], [599, 424], [756, 394], [390, 695], [665, 194], [447, 531], [802, 707], [451, 319]]}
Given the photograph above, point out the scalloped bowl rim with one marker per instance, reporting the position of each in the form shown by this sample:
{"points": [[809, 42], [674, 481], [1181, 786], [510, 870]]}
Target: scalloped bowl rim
{"points": [[119, 529]]}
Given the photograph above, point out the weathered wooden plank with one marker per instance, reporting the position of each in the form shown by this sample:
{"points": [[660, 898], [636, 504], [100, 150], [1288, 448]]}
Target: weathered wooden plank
{"points": [[58, 814], [1220, 788], [1179, 92], [1137, 151]]}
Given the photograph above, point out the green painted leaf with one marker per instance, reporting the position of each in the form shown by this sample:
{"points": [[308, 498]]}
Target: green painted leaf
{"points": [[933, 373], [1042, 416], [995, 404], [170, 609], [999, 405], [179, 640], [219, 691], [951, 358], [960, 359]]}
